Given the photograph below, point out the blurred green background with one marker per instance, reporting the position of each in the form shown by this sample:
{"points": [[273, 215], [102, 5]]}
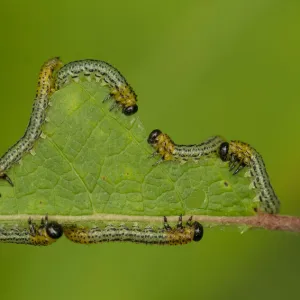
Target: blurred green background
{"points": [[199, 68]]}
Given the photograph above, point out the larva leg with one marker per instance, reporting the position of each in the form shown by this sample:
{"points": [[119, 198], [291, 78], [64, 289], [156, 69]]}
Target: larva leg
{"points": [[107, 98], [189, 221], [32, 228], [233, 163], [113, 106], [75, 77], [158, 162], [153, 154], [239, 168], [166, 225], [98, 77], [179, 224], [6, 177]]}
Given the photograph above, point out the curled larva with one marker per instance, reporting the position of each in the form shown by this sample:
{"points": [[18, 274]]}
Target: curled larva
{"points": [[168, 150], [102, 72], [193, 231], [43, 235], [38, 115], [240, 155]]}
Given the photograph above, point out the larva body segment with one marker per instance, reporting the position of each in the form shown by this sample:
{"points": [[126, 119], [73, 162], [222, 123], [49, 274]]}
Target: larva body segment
{"points": [[241, 154], [34, 128], [100, 71], [168, 150], [195, 152], [45, 234], [165, 236]]}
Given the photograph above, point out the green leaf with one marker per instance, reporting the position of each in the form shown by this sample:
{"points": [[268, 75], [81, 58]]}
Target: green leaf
{"points": [[93, 161]]}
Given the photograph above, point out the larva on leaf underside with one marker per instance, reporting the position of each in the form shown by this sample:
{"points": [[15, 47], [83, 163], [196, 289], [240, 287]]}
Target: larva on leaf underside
{"points": [[43, 235], [179, 235]]}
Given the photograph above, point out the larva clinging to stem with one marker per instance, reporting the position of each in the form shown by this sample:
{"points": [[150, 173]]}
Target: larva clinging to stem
{"points": [[240, 155], [38, 115], [43, 235], [193, 231], [168, 150], [102, 72]]}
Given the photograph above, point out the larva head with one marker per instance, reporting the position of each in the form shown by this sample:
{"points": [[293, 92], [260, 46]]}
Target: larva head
{"points": [[54, 230], [152, 139], [130, 110], [198, 231], [223, 151], [243, 152]]}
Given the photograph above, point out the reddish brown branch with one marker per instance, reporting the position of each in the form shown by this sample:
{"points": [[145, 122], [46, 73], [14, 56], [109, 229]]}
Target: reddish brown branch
{"points": [[265, 221]]}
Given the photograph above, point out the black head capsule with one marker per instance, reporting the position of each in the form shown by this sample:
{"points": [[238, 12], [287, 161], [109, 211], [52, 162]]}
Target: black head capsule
{"points": [[54, 230], [198, 233], [223, 151], [153, 136], [130, 110]]}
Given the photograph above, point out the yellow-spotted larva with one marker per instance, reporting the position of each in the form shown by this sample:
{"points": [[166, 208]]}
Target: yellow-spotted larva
{"points": [[102, 72], [43, 235], [239, 155], [193, 231], [38, 115], [168, 150]]}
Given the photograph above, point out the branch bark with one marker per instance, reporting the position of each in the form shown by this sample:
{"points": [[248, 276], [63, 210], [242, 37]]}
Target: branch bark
{"points": [[264, 221]]}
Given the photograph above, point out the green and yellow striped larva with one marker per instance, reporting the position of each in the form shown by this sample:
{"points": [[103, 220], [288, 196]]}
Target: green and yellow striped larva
{"points": [[193, 231], [102, 72], [168, 150], [240, 155], [38, 115], [45, 234]]}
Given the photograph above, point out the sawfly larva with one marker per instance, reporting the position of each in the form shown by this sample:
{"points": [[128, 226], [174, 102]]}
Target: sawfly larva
{"points": [[106, 74], [37, 118], [43, 235], [168, 150], [193, 231], [240, 155]]}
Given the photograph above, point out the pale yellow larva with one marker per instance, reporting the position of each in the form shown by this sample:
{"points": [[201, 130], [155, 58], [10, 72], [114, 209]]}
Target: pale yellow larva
{"points": [[241, 155], [43, 235], [37, 119], [193, 231], [100, 71], [168, 150]]}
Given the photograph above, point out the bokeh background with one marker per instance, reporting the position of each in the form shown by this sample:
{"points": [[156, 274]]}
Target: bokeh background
{"points": [[199, 68]]}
